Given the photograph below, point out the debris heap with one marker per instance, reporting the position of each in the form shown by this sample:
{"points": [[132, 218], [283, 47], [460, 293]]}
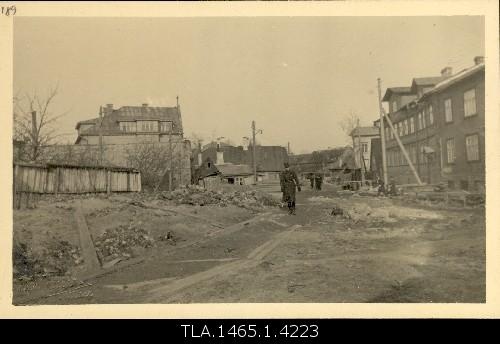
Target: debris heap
{"points": [[121, 241], [54, 259], [250, 199]]}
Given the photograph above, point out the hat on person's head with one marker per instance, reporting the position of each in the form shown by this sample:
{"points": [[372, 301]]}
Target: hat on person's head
{"points": [[286, 164]]}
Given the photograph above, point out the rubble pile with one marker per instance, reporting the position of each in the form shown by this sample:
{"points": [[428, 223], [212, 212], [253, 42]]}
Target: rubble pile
{"points": [[56, 257], [198, 196], [169, 238], [121, 241], [362, 213]]}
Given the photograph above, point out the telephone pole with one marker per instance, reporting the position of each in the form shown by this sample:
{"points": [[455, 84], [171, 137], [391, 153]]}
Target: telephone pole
{"points": [[101, 153], [382, 133], [361, 157], [254, 161]]}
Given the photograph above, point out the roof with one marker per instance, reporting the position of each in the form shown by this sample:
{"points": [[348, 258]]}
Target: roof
{"points": [[269, 158], [456, 78], [395, 90], [88, 121], [234, 170], [110, 121], [428, 81], [365, 131]]}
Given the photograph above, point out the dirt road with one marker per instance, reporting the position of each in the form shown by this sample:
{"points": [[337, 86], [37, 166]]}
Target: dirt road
{"points": [[383, 250]]}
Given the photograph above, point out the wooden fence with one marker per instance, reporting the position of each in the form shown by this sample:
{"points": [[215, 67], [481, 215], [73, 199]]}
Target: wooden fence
{"points": [[31, 180]]}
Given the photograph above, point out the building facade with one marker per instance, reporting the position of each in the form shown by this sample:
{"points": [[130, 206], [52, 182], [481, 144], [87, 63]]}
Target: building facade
{"points": [[269, 159], [441, 128], [362, 145], [123, 131]]}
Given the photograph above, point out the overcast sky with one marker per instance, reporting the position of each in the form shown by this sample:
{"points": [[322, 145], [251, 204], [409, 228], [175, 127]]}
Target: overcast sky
{"points": [[296, 77]]}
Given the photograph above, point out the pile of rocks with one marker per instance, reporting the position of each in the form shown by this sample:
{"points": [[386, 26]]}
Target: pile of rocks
{"points": [[121, 241], [55, 258], [199, 196]]}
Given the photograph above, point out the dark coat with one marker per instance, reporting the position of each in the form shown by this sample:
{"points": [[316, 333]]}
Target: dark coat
{"points": [[288, 182]]}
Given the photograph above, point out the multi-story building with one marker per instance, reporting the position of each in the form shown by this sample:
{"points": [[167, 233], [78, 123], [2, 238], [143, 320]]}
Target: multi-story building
{"points": [[440, 122], [132, 124], [121, 132]]}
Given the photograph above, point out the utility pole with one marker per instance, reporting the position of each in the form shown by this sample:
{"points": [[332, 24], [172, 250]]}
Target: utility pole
{"points": [[382, 133], [34, 133], [170, 157], [254, 161], [361, 157], [101, 153], [288, 148]]}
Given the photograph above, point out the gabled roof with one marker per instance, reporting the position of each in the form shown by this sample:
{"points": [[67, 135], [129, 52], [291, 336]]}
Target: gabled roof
{"points": [[228, 170], [269, 158], [456, 78], [111, 121], [365, 131], [427, 81], [395, 90], [88, 121]]}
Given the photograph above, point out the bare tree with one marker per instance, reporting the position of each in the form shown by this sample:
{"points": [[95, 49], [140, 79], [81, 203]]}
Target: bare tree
{"points": [[154, 161], [40, 132], [196, 139], [348, 123]]}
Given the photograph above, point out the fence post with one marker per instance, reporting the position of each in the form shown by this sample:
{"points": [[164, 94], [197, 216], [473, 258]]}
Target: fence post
{"points": [[108, 182], [56, 182], [14, 185]]}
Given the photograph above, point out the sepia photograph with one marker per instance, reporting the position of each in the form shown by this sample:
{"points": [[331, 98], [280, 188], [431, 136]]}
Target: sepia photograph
{"points": [[312, 159]]}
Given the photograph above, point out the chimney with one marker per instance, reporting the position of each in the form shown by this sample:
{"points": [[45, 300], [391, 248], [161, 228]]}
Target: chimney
{"points": [[446, 71], [144, 104], [220, 158], [478, 60], [109, 109]]}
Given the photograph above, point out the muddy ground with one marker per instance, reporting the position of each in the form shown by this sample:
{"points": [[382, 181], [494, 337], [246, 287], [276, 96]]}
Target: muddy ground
{"points": [[376, 250]]}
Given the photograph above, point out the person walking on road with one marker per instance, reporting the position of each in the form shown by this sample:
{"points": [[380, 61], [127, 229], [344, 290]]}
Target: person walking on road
{"points": [[318, 180], [288, 182]]}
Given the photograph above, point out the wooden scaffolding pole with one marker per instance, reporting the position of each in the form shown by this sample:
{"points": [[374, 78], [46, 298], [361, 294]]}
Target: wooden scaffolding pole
{"points": [[403, 150]]}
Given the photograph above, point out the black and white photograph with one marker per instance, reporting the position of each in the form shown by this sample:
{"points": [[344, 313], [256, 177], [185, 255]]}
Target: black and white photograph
{"points": [[248, 159]]}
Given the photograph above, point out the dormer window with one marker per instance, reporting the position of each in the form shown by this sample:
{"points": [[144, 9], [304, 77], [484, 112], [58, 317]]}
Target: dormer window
{"points": [[128, 126], [147, 126]]}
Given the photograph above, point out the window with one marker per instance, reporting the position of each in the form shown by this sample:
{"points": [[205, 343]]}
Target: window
{"points": [[412, 125], [128, 126], [420, 126], [364, 147], [472, 147], [405, 127], [448, 114], [450, 150], [470, 103], [400, 129], [149, 126], [464, 185], [165, 126], [423, 120], [431, 115], [394, 106]]}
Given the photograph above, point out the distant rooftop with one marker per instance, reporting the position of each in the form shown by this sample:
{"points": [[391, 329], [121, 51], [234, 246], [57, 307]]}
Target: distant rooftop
{"points": [[365, 131]]}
